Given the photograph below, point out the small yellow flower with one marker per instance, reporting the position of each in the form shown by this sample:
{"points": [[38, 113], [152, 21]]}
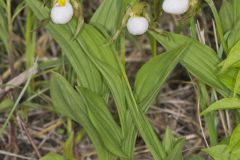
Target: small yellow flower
{"points": [[61, 2]]}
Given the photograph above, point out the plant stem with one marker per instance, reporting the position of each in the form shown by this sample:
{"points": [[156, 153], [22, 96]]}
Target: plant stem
{"points": [[122, 48], [218, 24], [153, 43], [193, 28]]}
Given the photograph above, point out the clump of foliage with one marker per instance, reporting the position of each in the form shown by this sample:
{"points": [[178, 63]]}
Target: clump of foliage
{"points": [[96, 52]]}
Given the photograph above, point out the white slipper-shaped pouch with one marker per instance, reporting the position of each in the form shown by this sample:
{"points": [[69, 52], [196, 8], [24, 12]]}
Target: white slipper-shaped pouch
{"points": [[137, 25], [175, 7], [62, 13]]}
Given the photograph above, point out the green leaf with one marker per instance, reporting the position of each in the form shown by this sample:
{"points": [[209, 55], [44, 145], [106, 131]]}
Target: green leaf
{"points": [[67, 102], [195, 158], [229, 79], [232, 58], [234, 35], [227, 15], [221, 152], [4, 26], [109, 14], [230, 17], [153, 74], [68, 147], [114, 81], [63, 34], [218, 152], [113, 76], [103, 121], [176, 152], [52, 156], [145, 128], [168, 140], [199, 59], [173, 146], [237, 84], [226, 103], [210, 119], [235, 139]]}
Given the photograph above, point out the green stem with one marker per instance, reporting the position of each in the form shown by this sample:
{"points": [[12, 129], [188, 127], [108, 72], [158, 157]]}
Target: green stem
{"points": [[193, 28], [29, 47], [122, 48], [218, 25], [153, 43]]}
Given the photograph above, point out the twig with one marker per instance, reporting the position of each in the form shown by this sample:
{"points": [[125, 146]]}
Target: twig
{"points": [[50, 128], [25, 129], [15, 155], [7, 73], [200, 124]]}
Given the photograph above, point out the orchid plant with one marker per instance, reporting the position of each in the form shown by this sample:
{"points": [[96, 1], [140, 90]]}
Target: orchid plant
{"points": [[96, 52]]}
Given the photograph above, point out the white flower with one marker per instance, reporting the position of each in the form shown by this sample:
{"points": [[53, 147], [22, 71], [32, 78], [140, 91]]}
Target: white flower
{"points": [[137, 25], [175, 6], [62, 13]]}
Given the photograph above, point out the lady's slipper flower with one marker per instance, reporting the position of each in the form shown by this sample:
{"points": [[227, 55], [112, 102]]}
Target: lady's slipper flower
{"points": [[137, 25], [62, 12], [175, 6]]}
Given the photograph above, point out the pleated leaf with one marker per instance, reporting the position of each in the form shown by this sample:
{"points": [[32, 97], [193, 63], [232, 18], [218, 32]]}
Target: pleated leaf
{"points": [[103, 121], [232, 59], [230, 18], [63, 34], [154, 73], [109, 14], [104, 57], [117, 85], [149, 80], [67, 102], [199, 59]]}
